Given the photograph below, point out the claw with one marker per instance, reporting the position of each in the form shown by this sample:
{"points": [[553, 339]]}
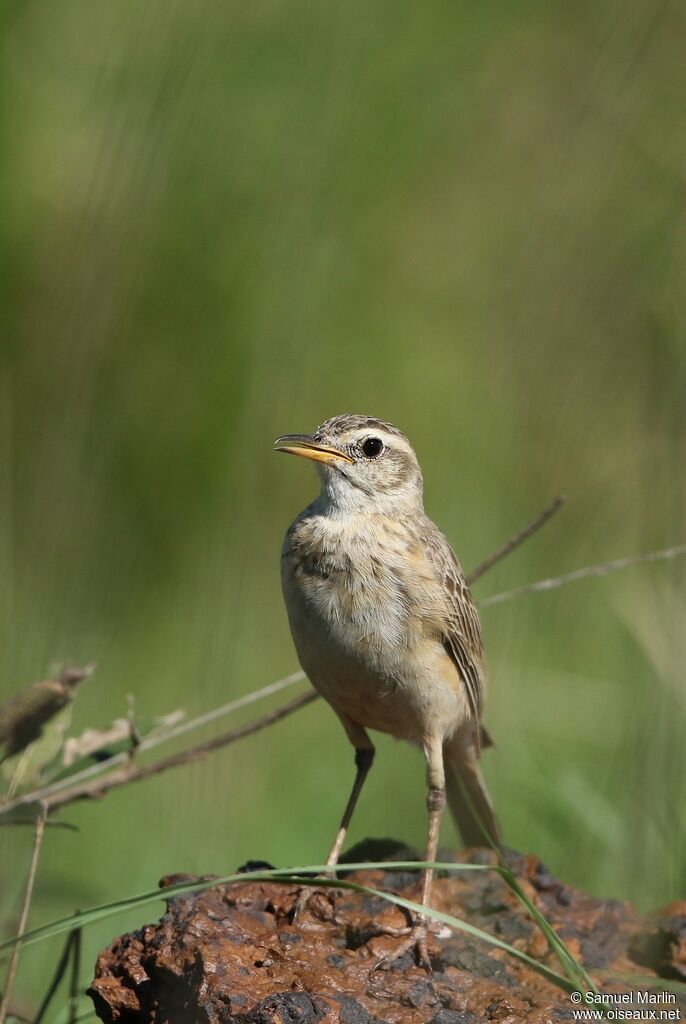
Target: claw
{"points": [[306, 901], [417, 940]]}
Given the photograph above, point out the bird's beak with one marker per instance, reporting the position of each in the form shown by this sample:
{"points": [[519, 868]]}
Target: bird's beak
{"points": [[303, 444]]}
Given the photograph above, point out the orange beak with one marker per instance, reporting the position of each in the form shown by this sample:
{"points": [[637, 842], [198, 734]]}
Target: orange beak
{"points": [[303, 444]]}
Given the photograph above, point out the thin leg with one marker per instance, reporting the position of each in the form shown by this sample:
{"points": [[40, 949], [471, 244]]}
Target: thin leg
{"points": [[435, 802], [364, 758]]}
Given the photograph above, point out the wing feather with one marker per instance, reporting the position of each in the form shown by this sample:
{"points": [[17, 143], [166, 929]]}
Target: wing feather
{"points": [[462, 632]]}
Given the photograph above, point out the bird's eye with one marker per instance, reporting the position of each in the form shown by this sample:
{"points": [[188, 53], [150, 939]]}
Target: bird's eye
{"points": [[372, 447]]}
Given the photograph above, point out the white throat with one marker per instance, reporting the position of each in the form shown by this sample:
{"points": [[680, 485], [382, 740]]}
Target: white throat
{"points": [[341, 496]]}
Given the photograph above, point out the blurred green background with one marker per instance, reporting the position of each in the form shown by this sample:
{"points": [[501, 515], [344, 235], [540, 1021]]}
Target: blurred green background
{"points": [[224, 222]]}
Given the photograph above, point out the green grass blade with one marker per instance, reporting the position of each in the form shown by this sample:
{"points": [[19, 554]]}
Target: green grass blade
{"points": [[575, 971]]}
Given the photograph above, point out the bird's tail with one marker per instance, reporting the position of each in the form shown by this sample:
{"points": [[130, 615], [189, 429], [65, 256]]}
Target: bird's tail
{"points": [[468, 797]]}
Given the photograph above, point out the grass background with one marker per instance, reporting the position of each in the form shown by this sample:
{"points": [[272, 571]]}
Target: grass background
{"points": [[226, 222]]}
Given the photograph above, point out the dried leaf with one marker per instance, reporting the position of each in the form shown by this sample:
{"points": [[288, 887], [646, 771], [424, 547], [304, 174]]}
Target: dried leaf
{"points": [[24, 716]]}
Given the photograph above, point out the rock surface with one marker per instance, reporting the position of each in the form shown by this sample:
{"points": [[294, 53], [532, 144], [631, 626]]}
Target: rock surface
{"points": [[231, 954]]}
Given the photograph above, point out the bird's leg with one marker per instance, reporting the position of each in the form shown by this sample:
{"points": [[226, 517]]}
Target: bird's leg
{"points": [[435, 802], [364, 758]]}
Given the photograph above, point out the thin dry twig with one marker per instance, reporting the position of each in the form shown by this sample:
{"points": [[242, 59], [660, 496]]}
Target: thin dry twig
{"points": [[603, 569], [26, 904], [509, 546], [132, 772], [225, 709], [101, 767]]}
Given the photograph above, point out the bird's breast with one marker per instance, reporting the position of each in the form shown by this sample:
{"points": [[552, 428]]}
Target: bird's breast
{"points": [[349, 588], [359, 606]]}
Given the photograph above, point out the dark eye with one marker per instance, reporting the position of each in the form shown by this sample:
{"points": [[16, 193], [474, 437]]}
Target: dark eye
{"points": [[372, 447]]}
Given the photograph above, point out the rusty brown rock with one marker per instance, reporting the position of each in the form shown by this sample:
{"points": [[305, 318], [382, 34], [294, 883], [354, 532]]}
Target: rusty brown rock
{"points": [[231, 954], [661, 943]]}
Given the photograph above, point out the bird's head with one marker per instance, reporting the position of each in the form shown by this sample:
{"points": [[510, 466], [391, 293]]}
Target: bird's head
{"points": [[363, 463]]}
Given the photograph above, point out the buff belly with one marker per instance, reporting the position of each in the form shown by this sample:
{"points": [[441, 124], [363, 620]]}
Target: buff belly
{"points": [[372, 661]]}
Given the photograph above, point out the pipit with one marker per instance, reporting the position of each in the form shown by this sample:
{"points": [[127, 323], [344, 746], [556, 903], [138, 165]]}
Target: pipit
{"points": [[384, 624]]}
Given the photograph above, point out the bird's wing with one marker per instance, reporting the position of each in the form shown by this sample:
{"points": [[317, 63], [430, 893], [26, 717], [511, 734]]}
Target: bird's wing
{"points": [[461, 629]]}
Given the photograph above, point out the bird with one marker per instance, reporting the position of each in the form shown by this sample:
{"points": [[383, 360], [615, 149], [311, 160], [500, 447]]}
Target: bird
{"points": [[385, 627]]}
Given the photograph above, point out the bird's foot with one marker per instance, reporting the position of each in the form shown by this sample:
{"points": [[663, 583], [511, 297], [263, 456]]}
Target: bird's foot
{"points": [[416, 939], [318, 902]]}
